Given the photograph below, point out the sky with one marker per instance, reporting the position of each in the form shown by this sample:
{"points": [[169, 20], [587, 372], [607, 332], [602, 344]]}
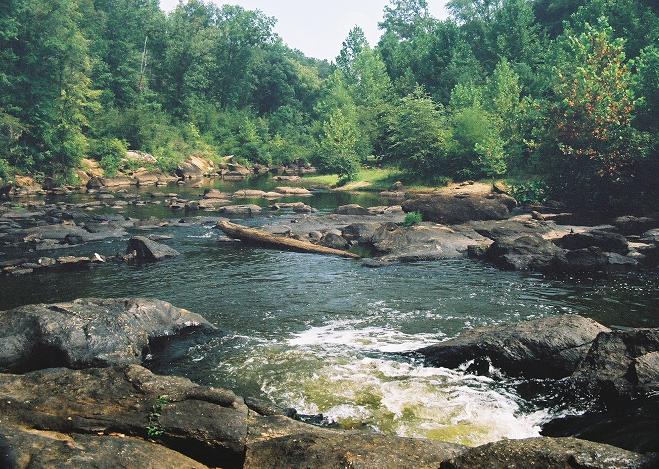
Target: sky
{"points": [[318, 27]]}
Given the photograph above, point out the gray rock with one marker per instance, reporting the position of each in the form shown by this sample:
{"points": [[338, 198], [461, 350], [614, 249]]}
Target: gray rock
{"points": [[360, 232], [549, 453], [72, 451], [240, 210], [352, 209], [88, 332], [604, 240], [144, 249], [449, 209], [528, 252], [631, 426], [551, 347], [621, 364], [423, 242], [333, 240], [631, 225], [355, 450]]}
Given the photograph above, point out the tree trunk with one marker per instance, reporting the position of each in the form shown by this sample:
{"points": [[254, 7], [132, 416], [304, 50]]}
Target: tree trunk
{"points": [[264, 238]]}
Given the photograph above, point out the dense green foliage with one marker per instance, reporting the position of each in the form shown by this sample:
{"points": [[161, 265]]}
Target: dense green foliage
{"points": [[561, 93]]}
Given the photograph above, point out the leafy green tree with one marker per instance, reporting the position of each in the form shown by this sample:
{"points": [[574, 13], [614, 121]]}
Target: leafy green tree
{"points": [[591, 145], [337, 149], [646, 86], [475, 148], [49, 92], [352, 47], [405, 18], [417, 136]]}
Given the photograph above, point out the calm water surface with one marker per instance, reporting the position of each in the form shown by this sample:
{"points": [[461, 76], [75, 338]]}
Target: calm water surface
{"points": [[321, 334]]}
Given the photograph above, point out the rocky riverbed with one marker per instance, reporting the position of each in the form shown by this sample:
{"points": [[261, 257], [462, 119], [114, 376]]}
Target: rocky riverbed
{"points": [[324, 337], [124, 415]]}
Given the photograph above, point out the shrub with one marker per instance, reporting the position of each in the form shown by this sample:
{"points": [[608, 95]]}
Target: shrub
{"points": [[529, 192], [6, 171], [413, 218], [109, 152]]}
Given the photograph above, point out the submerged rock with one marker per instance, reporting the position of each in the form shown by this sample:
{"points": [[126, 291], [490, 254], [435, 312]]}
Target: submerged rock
{"points": [[549, 453], [551, 347], [88, 332]]}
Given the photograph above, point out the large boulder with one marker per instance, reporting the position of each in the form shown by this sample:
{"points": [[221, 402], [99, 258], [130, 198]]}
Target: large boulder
{"points": [[528, 252], [142, 248], [604, 240], [451, 209], [549, 453], [422, 242], [631, 225], [621, 364], [362, 233], [194, 167], [89, 332], [550, 347], [209, 425]]}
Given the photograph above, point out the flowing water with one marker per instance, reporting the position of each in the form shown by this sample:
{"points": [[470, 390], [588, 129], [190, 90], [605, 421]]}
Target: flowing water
{"points": [[324, 334]]}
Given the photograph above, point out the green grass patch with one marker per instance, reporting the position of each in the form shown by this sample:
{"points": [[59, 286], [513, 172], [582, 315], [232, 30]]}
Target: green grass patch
{"points": [[369, 179]]}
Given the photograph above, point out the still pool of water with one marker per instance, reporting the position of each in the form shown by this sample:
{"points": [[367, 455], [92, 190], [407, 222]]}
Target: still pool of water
{"points": [[322, 334]]}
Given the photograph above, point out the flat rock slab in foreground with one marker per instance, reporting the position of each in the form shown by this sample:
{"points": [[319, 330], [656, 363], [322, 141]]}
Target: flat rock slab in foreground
{"points": [[210, 425], [549, 453], [88, 332], [23, 448], [550, 347]]}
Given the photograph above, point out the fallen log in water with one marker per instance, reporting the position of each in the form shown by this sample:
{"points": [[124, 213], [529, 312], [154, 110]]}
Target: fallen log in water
{"points": [[264, 238]]}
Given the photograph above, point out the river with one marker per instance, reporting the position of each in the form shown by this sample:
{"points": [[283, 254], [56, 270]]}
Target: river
{"points": [[324, 334]]}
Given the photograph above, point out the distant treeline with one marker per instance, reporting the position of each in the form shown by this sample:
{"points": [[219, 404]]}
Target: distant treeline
{"points": [[559, 94]]}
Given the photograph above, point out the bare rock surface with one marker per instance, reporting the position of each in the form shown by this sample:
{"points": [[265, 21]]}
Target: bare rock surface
{"points": [[551, 347], [88, 332]]}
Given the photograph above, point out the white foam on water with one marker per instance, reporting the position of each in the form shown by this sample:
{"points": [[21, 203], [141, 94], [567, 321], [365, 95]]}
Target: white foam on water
{"points": [[348, 333], [407, 400]]}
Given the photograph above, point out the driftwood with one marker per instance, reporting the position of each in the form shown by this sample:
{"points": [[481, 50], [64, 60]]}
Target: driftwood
{"points": [[264, 238]]}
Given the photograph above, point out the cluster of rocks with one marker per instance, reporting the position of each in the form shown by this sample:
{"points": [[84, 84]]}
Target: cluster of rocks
{"points": [[222, 202], [487, 227], [138, 169], [583, 249], [196, 167], [616, 370], [73, 392]]}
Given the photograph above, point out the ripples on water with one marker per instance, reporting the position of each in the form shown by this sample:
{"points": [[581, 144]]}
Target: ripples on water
{"points": [[321, 334]]}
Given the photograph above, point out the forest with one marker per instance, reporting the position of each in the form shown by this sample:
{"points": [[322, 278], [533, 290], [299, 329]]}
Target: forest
{"points": [[559, 97]]}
